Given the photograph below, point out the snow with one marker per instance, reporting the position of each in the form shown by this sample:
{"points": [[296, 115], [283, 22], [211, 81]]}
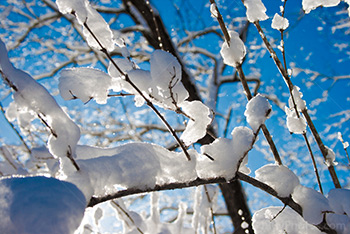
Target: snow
{"points": [[227, 154], [257, 111], [38, 204], [330, 158], [269, 220], [297, 95], [166, 75], [85, 13], [313, 203], [130, 165], [345, 143], [279, 22], [213, 10], [84, 84], [255, 10], [196, 128], [294, 124], [339, 200], [32, 98], [234, 53], [309, 5], [278, 177]]}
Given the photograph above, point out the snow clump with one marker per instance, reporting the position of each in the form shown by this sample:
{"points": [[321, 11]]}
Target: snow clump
{"points": [[256, 11], [257, 111], [234, 53], [309, 5], [278, 177], [279, 22]]}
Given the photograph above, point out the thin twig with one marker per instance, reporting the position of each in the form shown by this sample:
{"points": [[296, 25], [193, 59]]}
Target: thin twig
{"points": [[127, 215], [211, 208], [246, 87], [148, 102], [290, 85], [15, 130], [304, 111]]}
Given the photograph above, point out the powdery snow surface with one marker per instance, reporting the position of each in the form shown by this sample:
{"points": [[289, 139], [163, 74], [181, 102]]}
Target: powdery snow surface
{"points": [[279, 23], [84, 84], [269, 220], [226, 153], [33, 205], [257, 111], [309, 5], [255, 10], [31, 99], [84, 12], [233, 54], [313, 203], [278, 177]]}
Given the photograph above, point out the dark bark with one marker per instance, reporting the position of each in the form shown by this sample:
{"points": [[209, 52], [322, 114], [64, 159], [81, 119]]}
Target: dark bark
{"points": [[233, 192]]}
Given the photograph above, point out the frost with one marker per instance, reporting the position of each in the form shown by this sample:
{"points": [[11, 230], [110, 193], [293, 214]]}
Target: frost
{"points": [[270, 220], [255, 10], [197, 126], [31, 97], [313, 203], [257, 111], [279, 22], [84, 84], [309, 5], [278, 177], [34, 205], [234, 53], [227, 153]]}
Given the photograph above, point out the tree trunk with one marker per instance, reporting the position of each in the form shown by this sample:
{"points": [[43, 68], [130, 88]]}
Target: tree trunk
{"points": [[232, 192]]}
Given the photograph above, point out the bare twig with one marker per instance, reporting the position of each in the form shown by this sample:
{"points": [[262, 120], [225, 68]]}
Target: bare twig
{"points": [[211, 208]]}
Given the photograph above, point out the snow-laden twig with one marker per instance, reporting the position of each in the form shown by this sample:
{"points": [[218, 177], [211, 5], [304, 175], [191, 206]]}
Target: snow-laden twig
{"points": [[246, 87], [304, 111], [148, 102]]}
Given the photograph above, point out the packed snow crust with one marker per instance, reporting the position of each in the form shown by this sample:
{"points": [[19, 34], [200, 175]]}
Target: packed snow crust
{"points": [[32, 205]]}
